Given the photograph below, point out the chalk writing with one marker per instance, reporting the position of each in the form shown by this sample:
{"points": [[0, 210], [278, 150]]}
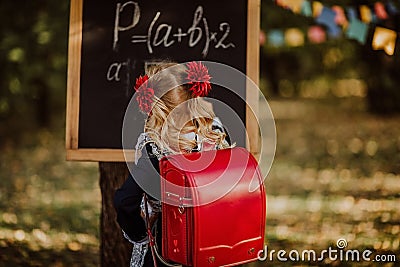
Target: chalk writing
{"points": [[166, 35], [135, 19]]}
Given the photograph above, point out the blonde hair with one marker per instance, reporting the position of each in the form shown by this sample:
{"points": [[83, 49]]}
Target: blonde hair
{"points": [[176, 112]]}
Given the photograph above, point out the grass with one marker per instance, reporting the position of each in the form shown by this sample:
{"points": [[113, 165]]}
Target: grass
{"points": [[336, 175], [49, 208]]}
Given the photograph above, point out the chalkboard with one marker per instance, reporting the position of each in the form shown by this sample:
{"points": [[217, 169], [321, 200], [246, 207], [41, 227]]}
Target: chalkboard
{"points": [[111, 42]]}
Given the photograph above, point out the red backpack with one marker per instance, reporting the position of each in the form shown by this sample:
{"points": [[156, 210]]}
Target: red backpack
{"points": [[213, 208]]}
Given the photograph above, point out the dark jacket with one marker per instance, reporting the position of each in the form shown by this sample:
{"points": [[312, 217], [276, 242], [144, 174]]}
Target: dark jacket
{"points": [[128, 198]]}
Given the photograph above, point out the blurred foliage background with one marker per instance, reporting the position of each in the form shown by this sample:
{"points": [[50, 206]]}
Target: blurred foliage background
{"points": [[337, 167]]}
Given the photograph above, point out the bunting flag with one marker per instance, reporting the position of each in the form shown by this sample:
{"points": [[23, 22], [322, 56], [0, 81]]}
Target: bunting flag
{"points": [[306, 9], [340, 18], [384, 39], [327, 18], [392, 9], [380, 11], [352, 13], [365, 14], [295, 5], [357, 30], [351, 22], [317, 8]]}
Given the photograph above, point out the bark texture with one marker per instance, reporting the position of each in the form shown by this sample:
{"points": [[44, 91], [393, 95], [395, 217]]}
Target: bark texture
{"points": [[114, 249]]}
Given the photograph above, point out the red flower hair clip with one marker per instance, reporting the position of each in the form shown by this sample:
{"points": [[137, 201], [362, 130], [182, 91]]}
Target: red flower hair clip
{"points": [[144, 94], [198, 77]]}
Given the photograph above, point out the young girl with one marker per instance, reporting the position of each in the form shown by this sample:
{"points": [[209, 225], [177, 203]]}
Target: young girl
{"points": [[178, 121]]}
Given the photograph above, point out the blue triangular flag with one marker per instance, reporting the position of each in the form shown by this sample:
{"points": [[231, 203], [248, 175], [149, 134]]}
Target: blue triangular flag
{"points": [[351, 13], [327, 18], [391, 8]]}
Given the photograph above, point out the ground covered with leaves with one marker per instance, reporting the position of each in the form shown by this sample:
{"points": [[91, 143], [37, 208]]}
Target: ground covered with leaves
{"points": [[49, 208], [336, 175]]}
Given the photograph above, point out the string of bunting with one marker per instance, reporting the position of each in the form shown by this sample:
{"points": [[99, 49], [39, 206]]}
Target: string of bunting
{"points": [[336, 21]]}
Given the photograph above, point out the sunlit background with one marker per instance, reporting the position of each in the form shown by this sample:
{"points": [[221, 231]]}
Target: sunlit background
{"points": [[333, 84]]}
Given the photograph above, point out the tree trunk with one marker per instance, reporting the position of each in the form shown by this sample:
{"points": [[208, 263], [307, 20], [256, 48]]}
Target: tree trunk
{"points": [[114, 249]]}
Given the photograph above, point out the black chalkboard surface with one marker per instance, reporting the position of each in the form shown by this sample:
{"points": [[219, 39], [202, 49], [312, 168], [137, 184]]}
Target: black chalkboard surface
{"points": [[112, 41]]}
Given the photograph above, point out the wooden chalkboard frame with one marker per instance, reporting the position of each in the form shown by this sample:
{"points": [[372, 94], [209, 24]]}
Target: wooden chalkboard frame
{"points": [[74, 153]]}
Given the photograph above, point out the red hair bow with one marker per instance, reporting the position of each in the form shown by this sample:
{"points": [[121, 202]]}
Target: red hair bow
{"points": [[198, 77], [144, 94]]}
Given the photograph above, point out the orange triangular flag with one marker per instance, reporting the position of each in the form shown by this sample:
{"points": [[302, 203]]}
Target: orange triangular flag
{"points": [[384, 39], [295, 5], [365, 14], [317, 8]]}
